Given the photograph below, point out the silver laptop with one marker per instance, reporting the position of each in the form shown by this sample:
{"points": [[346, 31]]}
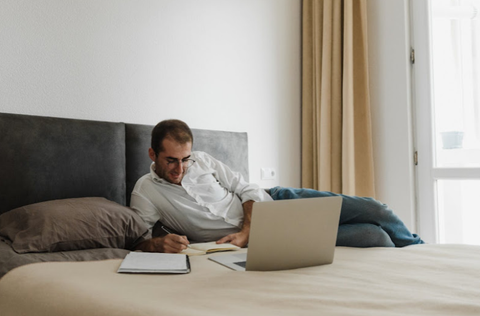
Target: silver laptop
{"points": [[288, 234]]}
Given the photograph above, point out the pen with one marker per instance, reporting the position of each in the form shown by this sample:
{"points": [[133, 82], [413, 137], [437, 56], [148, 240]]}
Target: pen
{"points": [[165, 229]]}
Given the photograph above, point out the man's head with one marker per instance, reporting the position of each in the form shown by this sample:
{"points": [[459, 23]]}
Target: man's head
{"points": [[171, 148]]}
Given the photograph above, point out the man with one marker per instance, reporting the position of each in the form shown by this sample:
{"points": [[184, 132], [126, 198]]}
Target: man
{"points": [[202, 199]]}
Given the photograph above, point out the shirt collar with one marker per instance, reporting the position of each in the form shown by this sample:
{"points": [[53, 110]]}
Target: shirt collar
{"points": [[154, 175]]}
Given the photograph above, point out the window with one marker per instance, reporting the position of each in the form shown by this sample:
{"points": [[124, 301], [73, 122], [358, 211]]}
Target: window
{"points": [[455, 37], [446, 39]]}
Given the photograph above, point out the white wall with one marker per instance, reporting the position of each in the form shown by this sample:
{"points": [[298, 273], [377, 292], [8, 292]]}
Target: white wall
{"points": [[225, 65], [390, 87]]}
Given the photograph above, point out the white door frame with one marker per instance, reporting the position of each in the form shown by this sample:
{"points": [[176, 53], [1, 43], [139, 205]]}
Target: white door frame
{"points": [[423, 130]]}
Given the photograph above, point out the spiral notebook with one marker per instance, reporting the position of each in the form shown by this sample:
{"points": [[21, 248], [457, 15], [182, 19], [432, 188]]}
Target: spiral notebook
{"points": [[153, 262]]}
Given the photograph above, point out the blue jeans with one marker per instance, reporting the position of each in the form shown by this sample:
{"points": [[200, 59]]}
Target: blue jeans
{"points": [[364, 222]]}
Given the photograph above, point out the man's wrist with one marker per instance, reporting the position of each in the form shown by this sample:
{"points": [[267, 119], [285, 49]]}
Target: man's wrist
{"points": [[245, 229]]}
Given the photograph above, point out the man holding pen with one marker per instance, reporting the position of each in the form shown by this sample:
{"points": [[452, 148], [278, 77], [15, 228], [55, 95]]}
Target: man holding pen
{"points": [[201, 199]]}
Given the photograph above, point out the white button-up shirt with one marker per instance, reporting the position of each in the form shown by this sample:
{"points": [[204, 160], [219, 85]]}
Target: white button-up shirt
{"points": [[206, 207]]}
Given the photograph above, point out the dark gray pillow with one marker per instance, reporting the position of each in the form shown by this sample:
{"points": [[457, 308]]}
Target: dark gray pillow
{"points": [[72, 224]]}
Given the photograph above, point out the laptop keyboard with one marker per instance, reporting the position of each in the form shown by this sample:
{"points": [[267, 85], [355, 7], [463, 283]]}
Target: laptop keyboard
{"points": [[242, 264]]}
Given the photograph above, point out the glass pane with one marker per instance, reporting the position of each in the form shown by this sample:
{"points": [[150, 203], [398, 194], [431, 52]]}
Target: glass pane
{"points": [[456, 81], [458, 211]]}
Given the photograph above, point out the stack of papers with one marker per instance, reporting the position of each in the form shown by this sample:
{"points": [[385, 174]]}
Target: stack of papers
{"points": [[150, 262]]}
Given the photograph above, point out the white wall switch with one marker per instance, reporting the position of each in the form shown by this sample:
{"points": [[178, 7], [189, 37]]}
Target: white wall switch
{"points": [[268, 173]]}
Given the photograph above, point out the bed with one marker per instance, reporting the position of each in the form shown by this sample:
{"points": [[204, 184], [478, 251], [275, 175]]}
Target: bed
{"points": [[65, 227]]}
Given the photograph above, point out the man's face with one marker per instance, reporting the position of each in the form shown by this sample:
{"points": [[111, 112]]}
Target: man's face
{"points": [[170, 163]]}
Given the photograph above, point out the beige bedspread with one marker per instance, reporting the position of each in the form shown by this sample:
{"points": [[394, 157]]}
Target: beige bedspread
{"points": [[417, 280]]}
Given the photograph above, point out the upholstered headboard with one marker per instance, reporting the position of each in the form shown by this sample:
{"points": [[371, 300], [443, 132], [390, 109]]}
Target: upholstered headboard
{"points": [[45, 158]]}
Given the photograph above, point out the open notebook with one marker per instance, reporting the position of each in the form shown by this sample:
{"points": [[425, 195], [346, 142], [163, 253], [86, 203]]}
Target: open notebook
{"points": [[204, 248]]}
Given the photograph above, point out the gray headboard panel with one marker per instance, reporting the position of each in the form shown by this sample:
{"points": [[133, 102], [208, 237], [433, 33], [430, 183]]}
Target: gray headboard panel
{"points": [[138, 163], [45, 158]]}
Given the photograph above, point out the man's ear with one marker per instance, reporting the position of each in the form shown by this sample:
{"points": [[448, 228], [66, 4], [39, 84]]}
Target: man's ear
{"points": [[151, 154]]}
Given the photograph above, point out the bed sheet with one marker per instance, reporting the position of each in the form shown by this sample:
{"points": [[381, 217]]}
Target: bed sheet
{"points": [[416, 280]]}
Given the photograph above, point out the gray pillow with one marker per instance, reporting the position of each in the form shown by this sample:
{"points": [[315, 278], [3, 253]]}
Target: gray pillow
{"points": [[72, 224]]}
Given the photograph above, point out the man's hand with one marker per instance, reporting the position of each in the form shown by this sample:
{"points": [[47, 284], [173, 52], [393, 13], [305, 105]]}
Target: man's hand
{"points": [[170, 243], [240, 239]]}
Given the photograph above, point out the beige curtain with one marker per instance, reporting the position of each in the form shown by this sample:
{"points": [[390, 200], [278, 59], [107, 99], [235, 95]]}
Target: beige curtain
{"points": [[336, 124]]}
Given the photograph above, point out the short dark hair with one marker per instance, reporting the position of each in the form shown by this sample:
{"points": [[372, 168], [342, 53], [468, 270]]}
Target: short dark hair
{"points": [[175, 129]]}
